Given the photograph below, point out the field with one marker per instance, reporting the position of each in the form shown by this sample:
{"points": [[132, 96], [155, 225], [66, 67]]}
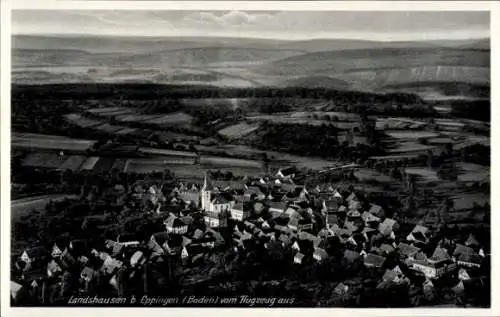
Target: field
{"points": [[290, 119], [172, 119], [238, 130], [410, 134], [168, 153], [82, 122], [73, 163], [46, 160], [49, 142], [89, 163], [424, 174], [470, 172]]}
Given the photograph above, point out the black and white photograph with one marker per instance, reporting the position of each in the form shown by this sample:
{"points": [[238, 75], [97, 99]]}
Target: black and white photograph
{"points": [[249, 158]]}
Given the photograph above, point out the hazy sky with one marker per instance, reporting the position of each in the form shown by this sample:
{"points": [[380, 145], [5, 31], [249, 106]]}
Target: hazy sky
{"points": [[381, 25]]}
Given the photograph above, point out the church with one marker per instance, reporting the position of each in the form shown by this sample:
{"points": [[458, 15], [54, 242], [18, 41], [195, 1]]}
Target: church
{"points": [[217, 207]]}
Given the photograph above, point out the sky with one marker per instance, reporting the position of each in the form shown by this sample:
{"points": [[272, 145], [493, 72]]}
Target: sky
{"points": [[290, 25]]}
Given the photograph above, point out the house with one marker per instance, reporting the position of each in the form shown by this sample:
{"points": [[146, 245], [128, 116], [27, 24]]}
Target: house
{"points": [[216, 219], [254, 192], [137, 259], [110, 265], [341, 289], [78, 247], [53, 268], [352, 197], [419, 235], [116, 247], [374, 261], [88, 274], [309, 237], [432, 268], [175, 225], [300, 223], [353, 214], [439, 255], [472, 241], [298, 258], [466, 256], [278, 207], [320, 254], [173, 245], [407, 251], [332, 219], [384, 249], [127, 240], [35, 254], [16, 291], [351, 255], [369, 219], [387, 227], [463, 275], [287, 172], [157, 243], [377, 211], [394, 276], [240, 212]]}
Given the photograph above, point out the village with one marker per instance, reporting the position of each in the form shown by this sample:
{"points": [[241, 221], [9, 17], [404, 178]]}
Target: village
{"points": [[164, 236]]}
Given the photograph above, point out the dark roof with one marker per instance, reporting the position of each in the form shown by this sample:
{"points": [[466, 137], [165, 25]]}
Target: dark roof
{"points": [[351, 255], [466, 254], [287, 171], [321, 253], [220, 199], [386, 226], [78, 247], [374, 260], [406, 249], [376, 210], [36, 252], [471, 241], [160, 237], [418, 228], [277, 205], [440, 254], [89, 272]]}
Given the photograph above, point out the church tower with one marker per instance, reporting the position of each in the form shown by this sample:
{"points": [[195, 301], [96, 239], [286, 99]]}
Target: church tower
{"points": [[206, 193]]}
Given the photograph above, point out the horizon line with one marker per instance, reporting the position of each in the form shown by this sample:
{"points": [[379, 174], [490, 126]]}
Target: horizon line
{"points": [[242, 37]]}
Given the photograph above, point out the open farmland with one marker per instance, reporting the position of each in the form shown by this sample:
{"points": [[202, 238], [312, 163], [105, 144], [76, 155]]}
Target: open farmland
{"points": [[424, 174], [81, 121], [334, 115], [46, 142], [238, 130], [73, 163], [179, 118], [289, 119], [45, 160], [411, 134], [109, 128], [215, 161], [105, 109], [470, 172], [89, 163], [172, 153], [411, 146], [365, 174]]}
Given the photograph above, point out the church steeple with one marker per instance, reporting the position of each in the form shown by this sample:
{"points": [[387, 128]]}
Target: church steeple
{"points": [[207, 185]]}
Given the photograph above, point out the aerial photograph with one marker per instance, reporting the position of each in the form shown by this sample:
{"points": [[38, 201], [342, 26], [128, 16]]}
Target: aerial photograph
{"points": [[250, 159]]}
